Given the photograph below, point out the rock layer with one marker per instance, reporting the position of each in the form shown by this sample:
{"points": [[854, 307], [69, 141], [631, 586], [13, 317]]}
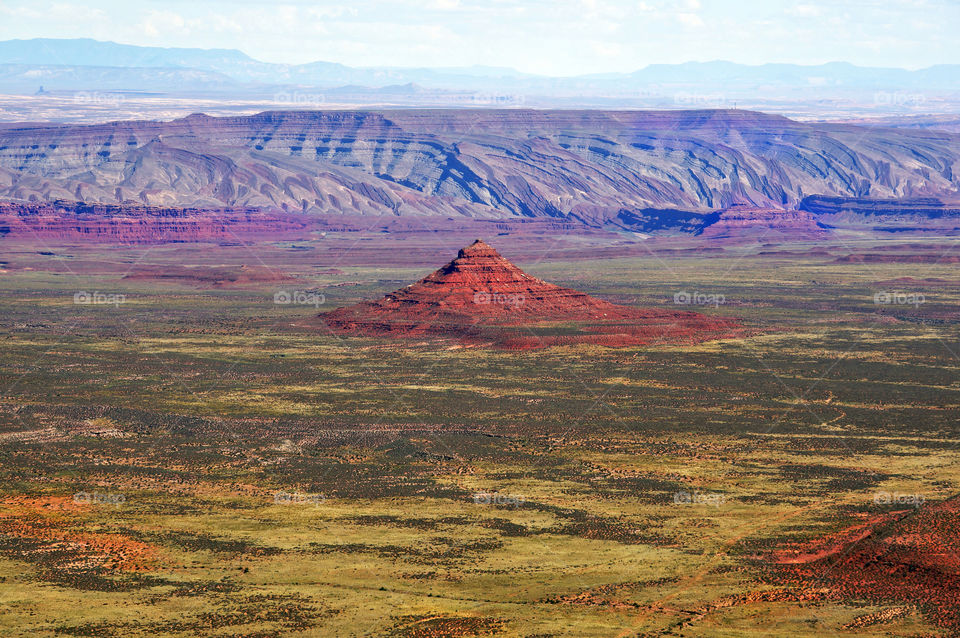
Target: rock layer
{"points": [[592, 167], [137, 224], [481, 296], [749, 223], [481, 284]]}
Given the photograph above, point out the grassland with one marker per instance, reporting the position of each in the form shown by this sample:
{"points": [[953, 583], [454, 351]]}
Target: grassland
{"points": [[240, 473]]}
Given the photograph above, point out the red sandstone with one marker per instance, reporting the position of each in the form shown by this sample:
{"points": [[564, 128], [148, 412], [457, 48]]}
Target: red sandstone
{"points": [[911, 556], [481, 296]]}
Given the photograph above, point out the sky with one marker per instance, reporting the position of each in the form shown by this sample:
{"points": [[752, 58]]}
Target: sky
{"points": [[549, 37]]}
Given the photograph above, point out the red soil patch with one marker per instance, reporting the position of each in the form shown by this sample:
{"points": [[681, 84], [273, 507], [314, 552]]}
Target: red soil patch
{"points": [[45, 526], [39, 504], [832, 545], [907, 557], [446, 626], [482, 297]]}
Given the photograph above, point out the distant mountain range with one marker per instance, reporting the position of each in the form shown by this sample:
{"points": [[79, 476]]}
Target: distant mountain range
{"points": [[236, 65], [83, 64], [635, 169]]}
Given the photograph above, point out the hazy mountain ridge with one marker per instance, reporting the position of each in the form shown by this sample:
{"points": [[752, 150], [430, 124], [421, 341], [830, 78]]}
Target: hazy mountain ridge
{"points": [[724, 76], [29, 78]]}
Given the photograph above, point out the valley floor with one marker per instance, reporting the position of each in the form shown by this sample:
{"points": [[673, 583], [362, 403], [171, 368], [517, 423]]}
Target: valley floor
{"points": [[187, 457]]}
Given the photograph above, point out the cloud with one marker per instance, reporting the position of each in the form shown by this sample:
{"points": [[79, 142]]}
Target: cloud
{"points": [[532, 35], [690, 19], [159, 22], [805, 11], [55, 12], [607, 49]]}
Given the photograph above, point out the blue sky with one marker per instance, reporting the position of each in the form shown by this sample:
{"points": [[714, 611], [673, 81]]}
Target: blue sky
{"points": [[559, 37]]}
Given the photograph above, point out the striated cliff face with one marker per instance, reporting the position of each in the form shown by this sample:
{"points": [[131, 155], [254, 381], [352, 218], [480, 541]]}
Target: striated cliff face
{"points": [[592, 167], [745, 222], [132, 224]]}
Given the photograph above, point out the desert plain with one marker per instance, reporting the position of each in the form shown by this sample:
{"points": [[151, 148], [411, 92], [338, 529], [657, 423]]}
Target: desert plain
{"points": [[185, 452]]}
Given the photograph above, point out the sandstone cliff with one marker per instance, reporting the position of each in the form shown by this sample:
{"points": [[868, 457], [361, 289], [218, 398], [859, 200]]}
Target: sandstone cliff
{"points": [[592, 167]]}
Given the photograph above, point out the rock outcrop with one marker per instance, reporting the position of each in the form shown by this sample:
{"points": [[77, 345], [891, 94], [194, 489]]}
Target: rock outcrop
{"points": [[138, 224], [750, 223], [479, 284], [481, 296]]}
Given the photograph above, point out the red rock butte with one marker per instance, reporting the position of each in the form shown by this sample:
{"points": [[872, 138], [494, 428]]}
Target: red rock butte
{"points": [[482, 296], [745, 223]]}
